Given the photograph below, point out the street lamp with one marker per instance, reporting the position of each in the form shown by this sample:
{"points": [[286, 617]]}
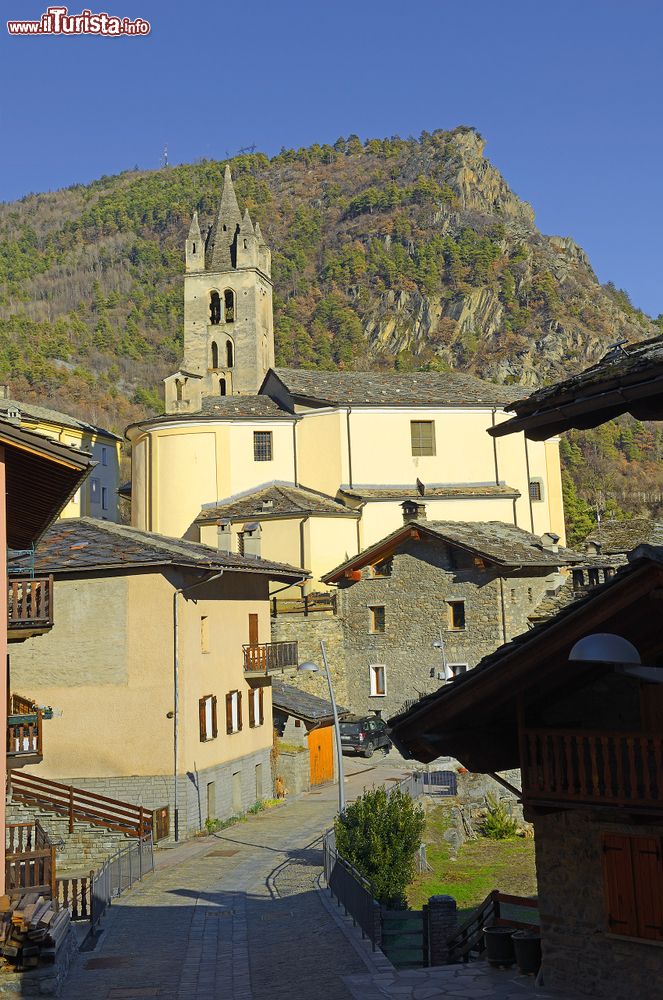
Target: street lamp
{"points": [[313, 668], [439, 644]]}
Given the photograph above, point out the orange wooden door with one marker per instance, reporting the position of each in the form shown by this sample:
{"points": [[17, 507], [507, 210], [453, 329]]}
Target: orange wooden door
{"points": [[320, 746], [253, 630]]}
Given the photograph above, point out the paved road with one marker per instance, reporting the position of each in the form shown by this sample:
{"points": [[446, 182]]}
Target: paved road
{"points": [[232, 917]]}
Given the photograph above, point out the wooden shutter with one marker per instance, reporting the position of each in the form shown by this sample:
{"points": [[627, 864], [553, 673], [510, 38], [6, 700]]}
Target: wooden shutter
{"points": [[215, 728], [252, 714], [261, 712], [229, 712], [253, 630], [648, 881], [619, 886], [239, 710], [201, 719]]}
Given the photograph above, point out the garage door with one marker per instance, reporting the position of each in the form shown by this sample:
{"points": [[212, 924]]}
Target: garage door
{"points": [[321, 750]]}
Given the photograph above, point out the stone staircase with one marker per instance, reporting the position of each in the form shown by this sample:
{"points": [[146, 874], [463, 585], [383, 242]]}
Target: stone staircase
{"points": [[77, 853]]}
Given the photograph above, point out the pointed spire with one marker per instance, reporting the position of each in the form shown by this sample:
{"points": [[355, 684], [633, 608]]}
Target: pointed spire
{"points": [[247, 225], [225, 227], [194, 228], [258, 232]]}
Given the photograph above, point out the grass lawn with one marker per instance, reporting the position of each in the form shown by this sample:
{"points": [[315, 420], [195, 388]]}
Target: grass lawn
{"points": [[482, 865]]}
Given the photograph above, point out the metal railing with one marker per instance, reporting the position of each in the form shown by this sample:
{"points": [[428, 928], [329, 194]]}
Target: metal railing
{"points": [[414, 785], [87, 897], [352, 891], [306, 605], [267, 656]]}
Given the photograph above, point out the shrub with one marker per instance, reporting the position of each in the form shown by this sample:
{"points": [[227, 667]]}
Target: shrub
{"points": [[498, 824], [380, 835]]}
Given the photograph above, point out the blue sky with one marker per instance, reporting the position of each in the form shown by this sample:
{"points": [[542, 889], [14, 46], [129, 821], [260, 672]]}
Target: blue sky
{"points": [[567, 95]]}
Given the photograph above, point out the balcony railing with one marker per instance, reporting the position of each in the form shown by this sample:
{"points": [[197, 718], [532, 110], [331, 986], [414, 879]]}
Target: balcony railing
{"points": [[29, 859], [24, 732], [604, 768], [30, 603], [269, 656]]}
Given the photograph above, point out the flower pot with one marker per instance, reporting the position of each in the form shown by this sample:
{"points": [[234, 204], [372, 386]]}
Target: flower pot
{"points": [[499, 945], [527, 945]]}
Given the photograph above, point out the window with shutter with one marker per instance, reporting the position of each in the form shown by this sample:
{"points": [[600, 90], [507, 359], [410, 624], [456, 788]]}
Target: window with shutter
{"points": [[261, 710], [229, 713], [252, 716], [207, 717], [201, 720], [633, 878], [239, 710], [422, 433], [215, 726]]}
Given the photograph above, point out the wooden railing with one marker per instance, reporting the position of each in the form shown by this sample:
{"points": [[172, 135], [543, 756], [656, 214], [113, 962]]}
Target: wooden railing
{"points": [[80, 805], [304, 605], [30, 602], [497, 908], [268, 656], [29, 859], [24, 734], [75, 894], [612, 768]]}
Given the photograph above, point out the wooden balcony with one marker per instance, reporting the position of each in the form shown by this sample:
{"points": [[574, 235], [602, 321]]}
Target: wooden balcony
{"points": [[268, 657], [29, 607], [593, 768], [29, 860], [24, 733]]}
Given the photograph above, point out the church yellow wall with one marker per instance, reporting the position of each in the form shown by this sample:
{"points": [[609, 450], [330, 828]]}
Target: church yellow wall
{"points": [[322, 451], [112, 695], [380, 518]]}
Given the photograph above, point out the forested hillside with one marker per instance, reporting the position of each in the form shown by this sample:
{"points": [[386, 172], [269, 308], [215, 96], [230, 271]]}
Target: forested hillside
{"points": [[390, 253]]}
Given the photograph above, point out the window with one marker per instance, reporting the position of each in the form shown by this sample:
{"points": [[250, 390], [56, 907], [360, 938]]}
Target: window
{"points": [[256, 714], [207, 718], [633, 880], [222, 387], [104, 455], [240, 542], [384, 568], [104, 498], [229, 302], [214, 308], [536, 489], [95, 491], [215, 354], [377, 615], [457, 669], [378, 680], [423, 437], [262, 446], [178, 390], [204, 634], [456, 615], [229, 353], [233, 711]]}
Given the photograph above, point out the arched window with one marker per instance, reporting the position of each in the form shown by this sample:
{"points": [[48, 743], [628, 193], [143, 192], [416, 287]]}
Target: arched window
{"points": [[229, 302], [178, 390], [222, 387], [229, 354], [215, 354], [214, 308], [194, 247]]}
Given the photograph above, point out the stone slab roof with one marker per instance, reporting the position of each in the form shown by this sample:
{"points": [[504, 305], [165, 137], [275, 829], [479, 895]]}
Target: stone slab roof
{"points": [[392, 388], [499, 543], [43, 414], [75, 545], [629, 379], [224, 408], [282, 499], [455, 492], [623, 536], [301, 704]]}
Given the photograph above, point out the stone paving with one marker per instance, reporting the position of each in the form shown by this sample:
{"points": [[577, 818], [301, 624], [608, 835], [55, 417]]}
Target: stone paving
{"points": [[475, 981]]}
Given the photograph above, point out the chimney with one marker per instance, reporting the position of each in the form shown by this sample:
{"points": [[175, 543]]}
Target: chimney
{"points": [[251, 534], [413, 511], [550, 541], [223, 537]]}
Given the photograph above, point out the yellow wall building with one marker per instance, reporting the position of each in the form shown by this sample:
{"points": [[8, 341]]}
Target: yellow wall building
{"points": [[112, 689], [236, 427]]}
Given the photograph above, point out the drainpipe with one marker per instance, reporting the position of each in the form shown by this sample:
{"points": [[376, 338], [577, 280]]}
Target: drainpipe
{"points": [[504, 639], [176, 684], [347, 420]]}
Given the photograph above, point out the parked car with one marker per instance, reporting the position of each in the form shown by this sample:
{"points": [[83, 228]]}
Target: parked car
{"points": [[364, 734]]}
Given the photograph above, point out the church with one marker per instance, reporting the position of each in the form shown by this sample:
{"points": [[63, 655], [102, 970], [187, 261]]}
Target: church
{"points": [[312, 467]]}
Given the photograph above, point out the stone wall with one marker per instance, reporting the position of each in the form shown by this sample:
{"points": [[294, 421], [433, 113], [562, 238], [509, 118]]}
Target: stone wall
{"points": [[578, 953], [308, 630], [211, 793], [295, 769], [424, 577]]}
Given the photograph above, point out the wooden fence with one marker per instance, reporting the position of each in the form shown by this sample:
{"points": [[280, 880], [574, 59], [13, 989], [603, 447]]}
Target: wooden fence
{"points": [[29, 860]]}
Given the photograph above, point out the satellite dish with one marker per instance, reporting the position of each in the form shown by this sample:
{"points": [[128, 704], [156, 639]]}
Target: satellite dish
{"points": [[604, 647]]}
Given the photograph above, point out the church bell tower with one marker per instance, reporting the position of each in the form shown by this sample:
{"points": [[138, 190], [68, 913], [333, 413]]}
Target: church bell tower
{"points": [[228, 321]]}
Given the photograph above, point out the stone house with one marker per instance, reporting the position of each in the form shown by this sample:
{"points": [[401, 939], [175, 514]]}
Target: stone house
{"points": [[305, 725], [577, 704], [427, 602], [160, 650]]}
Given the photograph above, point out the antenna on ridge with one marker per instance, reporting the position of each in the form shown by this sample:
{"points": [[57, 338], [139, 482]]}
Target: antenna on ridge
{"points": [[164, 156]]}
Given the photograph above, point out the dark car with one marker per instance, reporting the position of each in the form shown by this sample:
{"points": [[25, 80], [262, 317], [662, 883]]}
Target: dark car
{"points": [[364, 735]]}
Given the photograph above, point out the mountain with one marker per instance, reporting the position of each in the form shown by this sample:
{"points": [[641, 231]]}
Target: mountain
{"points": [[393, 253]]}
